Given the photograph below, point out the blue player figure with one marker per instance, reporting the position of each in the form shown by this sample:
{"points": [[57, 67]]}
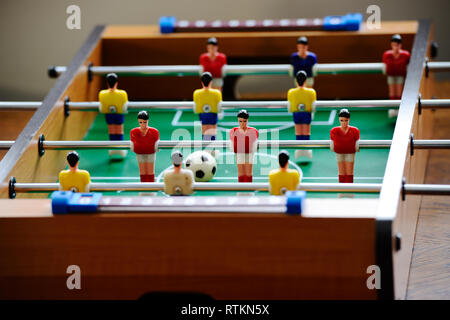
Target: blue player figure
{"points": [[304, 60]]}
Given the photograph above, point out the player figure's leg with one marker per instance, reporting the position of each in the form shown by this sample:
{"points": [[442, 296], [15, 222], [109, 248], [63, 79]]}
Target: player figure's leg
{"points": [[241, 171], [398, 88], [146, 167], [209, 129], [209, 126], [345, 166], [115, 128], [142, 171], [209, 132], [392, 92], [309, 83], [348, 171], [306, 131], [392, 86], [248, 172], [147, 170], [217, 83], [303, 132], [341, 167], [150, 171], [342, 171], [248, 167]]}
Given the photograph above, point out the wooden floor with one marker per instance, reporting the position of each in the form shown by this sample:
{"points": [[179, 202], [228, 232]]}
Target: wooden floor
{"points": [[430, 266]]}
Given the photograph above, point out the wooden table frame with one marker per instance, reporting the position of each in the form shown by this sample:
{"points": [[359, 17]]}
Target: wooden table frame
{"points": [[322, 255]]}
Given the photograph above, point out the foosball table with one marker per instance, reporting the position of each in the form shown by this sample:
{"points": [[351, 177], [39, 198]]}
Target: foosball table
{"points": [[228, 240]]}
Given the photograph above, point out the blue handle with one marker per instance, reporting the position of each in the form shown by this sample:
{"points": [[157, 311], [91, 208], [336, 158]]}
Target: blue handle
{"points": [[167, 24], [295, 202], [349, 22], [64, 202]]}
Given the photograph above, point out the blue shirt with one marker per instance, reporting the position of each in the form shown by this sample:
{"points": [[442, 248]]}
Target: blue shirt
{"points": [[303, 64]]}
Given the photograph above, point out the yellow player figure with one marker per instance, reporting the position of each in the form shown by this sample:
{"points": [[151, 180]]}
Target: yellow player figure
{"points": [[302, 103], [207, 104], [74, 179], [178, 181], [283, 179], [114, 104]]}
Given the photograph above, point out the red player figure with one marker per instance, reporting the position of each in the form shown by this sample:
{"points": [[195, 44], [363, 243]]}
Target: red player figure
{"points": [[244, 141], [213, 61], [396, 61], [144, 141], [345, 142]]}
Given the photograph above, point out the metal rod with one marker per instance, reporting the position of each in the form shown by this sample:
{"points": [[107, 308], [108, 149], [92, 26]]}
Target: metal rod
{"points": [[169, 144], [232, 105], [416, 189], [6, 144], [337, 68], [255, 69], [266, 69], [431, 144], [24, 105], [439, 65], [205, 186], [428, 189]]}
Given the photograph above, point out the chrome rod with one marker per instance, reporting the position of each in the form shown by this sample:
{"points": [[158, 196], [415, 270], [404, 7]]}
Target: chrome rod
{"points": [[265, 69], [169, 144], [414, 189], [232, 105]]}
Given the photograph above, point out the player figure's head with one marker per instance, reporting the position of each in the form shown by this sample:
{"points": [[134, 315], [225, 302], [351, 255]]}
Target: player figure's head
{"points": [[111, 80], [143, 119], [206, 79], [301, 78], [344, 118], [243, 118], [73, 158], [302, 46], [212, 46], [177, 158], [396, 43], [283, 159]]}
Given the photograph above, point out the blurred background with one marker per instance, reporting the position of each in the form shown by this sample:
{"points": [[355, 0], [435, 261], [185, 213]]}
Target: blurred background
{"points": [[34, 34]]}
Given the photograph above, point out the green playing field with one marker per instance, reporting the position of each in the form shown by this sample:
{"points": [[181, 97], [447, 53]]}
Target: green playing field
{"points": [[272, 125]]}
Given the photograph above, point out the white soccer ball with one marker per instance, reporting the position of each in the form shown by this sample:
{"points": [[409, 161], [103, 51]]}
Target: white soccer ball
{"points": [[202, 164]]}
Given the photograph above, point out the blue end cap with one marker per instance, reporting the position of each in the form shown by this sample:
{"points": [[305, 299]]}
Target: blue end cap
{"points": [[295, 202], [353, 21], [60, 201], [349, 22], [84, 202], [167, 24], [334, 23]]}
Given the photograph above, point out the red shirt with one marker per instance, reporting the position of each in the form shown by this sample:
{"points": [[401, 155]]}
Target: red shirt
{"points": [[396, 66], [213, 66], [344, 142], [243, 141], [144, 144]]}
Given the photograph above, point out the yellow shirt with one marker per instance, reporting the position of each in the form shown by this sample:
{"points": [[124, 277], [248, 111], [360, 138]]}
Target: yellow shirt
{"points": [[207, 100], [113, 101], [301, 99], [77, 181], [279, 179]]}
